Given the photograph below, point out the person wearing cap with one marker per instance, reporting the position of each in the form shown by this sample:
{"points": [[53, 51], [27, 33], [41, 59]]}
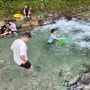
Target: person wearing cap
{"points": [[19, 50]]}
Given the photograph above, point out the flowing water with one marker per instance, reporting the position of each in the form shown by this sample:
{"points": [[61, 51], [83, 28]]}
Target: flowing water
{"points": [[54, 64]]}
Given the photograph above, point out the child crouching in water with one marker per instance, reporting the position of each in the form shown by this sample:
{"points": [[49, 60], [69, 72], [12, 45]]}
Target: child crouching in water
{"points": [[53, 36]]}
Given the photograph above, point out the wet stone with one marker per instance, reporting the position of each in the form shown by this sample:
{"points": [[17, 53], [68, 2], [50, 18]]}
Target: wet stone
{"points": [[86, 78], [27, 19], [50, 15], [38, 68], [60, 74]]}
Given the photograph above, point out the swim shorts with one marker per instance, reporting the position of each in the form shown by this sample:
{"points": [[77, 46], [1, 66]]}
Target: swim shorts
{"points": [[27, 65]]}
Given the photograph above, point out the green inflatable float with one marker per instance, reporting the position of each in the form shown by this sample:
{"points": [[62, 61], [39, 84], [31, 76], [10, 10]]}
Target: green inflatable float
{"points": [[63, 40]]}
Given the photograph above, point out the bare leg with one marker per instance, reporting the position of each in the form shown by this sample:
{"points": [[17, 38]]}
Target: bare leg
{"points": [[24, 13], [29, 14], [10, 32], [2, 35], [22, 71], [15, 33], [31, 69]]}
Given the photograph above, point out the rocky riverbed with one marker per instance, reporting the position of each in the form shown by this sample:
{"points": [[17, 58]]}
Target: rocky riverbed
{"points": [[80, 82], [83, 83]]}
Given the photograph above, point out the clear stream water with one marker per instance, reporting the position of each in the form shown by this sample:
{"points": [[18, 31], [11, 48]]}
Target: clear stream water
{"points": [[54, 64]]}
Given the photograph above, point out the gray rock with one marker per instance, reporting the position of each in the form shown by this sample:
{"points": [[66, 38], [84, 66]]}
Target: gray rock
{"points": [[34, 18], [82, 84], [34, 23], [25, 25], [86, 78], [55, 15], [50, 15], [27, 19]]}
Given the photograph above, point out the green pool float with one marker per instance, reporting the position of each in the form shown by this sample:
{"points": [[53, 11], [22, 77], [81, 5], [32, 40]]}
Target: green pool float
{"points": [[63, 40]]}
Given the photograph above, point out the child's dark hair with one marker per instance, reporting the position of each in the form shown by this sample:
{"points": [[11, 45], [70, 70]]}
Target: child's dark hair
{"points": [[52, 30], [10, 21], [27, 5], [27, 34]]}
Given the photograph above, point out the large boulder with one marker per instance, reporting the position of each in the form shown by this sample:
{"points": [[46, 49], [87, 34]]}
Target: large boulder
{"points": [[86, 78], [34, 23], [34, 17], [25, 25], [19, 23], [82, 84]]}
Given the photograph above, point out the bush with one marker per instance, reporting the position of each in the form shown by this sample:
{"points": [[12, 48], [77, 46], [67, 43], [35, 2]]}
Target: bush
{"points": [[10, 7]]}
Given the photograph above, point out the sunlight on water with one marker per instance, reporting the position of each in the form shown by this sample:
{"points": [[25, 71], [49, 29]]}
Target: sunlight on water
{"points": [[53, 64]]}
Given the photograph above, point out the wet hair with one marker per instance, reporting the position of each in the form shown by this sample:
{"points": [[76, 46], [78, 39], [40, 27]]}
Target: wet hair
{"points": [[27, 34], [52, 30]]}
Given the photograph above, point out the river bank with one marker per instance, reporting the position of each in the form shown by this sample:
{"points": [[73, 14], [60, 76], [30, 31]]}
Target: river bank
{"points": [[25, 24]]}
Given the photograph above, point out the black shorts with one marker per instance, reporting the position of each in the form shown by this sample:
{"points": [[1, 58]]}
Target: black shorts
{"points": [[26, 13], [27, 65], [13, 32], [50, 43]]}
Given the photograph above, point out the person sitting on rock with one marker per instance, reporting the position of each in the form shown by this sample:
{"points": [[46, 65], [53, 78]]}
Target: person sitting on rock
{"points": [[12, 27], [26, 11], [4, 30]]}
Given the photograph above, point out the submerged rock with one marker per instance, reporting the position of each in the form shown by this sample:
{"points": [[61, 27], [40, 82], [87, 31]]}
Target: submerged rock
{"points": [[82, 84], [71, 82], [86, 78], [37, 68]]}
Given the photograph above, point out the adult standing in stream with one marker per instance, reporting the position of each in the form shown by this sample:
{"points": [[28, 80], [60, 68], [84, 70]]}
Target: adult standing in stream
{"points": [[19, 50]]}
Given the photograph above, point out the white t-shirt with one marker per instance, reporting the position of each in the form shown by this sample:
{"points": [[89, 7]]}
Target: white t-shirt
{"points": [[19, 48], [52, 37], [13, 27]]}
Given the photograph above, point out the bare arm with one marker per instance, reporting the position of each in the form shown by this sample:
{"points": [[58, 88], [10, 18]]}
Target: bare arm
{"points": [[24, 11], [11, 49], [58, 39], [30, 8], [59, 34], [23, 58]]}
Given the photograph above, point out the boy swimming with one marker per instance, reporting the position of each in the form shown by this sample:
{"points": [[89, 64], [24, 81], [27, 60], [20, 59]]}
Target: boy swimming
{"points": [[53, 36]]}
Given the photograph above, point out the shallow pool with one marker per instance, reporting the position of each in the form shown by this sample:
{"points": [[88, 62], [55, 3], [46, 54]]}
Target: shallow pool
{"points": [[54, 64]]}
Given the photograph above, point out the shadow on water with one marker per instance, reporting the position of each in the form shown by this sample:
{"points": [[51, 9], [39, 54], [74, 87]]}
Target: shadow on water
{"points": [[53, 63]]}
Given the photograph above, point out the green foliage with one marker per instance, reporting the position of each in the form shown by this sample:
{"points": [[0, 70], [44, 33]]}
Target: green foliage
{"points": [[10, 7]]}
